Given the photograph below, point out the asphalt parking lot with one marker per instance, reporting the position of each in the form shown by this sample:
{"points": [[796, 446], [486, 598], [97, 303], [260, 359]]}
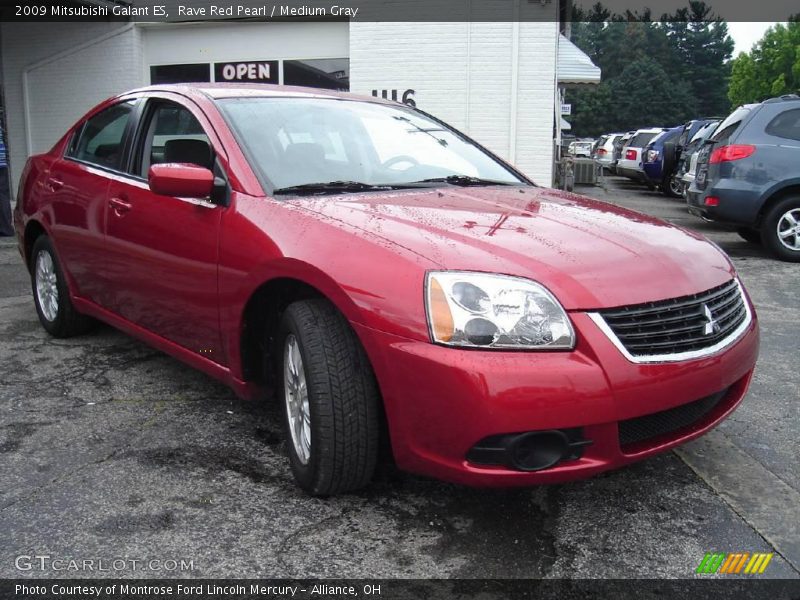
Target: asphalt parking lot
{"points": [[110, 449]]}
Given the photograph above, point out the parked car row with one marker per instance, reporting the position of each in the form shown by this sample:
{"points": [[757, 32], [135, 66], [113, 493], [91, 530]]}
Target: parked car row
{"points": [[651, 155], [743, 170]]}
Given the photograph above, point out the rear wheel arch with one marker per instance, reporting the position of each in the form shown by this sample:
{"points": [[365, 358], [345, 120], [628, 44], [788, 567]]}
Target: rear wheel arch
{"points": [[33, 230], [774, 197]]}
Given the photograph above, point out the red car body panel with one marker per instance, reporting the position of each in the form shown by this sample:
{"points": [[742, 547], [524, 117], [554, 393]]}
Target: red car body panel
{"points": [[180, 274]]}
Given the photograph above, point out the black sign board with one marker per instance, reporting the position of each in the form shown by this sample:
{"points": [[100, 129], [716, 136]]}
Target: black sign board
{"points": [[265, 71]]}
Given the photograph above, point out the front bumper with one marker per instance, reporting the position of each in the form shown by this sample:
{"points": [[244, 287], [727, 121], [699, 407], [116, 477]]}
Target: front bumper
{"points": [[440, 402]]}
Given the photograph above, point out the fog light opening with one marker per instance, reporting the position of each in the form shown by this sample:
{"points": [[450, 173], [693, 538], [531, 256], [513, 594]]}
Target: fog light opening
{"points": [[539, 450]]}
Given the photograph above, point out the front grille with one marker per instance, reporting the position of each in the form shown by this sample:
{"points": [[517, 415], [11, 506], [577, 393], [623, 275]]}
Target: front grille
{"points": [[649, 426], [678, 325]]}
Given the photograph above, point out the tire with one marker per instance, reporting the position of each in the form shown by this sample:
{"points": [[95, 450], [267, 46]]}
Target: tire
{"points": [[781, 215], [750, 235], [51, 295], [673, 187], [341, 400]]}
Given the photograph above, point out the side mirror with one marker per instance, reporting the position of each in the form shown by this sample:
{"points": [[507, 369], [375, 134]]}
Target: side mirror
{"points": [[180, 179]]}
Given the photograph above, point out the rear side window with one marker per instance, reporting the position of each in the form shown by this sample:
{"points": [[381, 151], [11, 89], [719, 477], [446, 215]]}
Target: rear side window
{"points": [[101, 139], [729, 126], [786, 125]]}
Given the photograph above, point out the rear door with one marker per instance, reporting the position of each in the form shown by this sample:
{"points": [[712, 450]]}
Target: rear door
{"points": [[77, 184], [162, 251]]}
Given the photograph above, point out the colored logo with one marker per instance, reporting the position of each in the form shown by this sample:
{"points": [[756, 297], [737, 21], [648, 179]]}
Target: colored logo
{"points": [[734, 563]]}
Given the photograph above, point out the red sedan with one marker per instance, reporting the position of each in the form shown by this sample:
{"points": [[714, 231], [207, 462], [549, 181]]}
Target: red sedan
{"points": [[394, 283]]}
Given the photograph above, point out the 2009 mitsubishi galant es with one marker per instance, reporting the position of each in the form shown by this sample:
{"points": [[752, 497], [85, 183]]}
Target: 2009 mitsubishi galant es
{"points": [[396, 285]]}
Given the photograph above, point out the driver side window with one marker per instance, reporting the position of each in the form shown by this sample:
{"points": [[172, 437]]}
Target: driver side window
{"points": [[173, 135]]}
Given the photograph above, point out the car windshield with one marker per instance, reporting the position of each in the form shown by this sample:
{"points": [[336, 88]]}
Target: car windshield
{"points": [[355, 145]]}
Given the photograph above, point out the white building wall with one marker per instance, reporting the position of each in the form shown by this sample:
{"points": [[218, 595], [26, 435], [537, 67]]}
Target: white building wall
{"points": [[52, 76], [494, 81]]}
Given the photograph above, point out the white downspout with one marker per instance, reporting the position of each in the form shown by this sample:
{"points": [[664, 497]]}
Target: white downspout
{"points": [[512, 130]]}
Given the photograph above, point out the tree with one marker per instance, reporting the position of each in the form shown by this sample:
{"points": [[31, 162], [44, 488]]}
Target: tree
{"points": [[771, 68], [704, 48], [644, 95], [684, 74]]}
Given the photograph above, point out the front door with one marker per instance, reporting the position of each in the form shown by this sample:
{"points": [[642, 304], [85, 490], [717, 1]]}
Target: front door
{"points": [[162, 252]]}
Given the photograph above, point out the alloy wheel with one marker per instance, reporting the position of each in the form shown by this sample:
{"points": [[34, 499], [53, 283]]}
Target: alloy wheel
{"points": [[296, 397], [676, 186], [788, 229], [47, 285]]}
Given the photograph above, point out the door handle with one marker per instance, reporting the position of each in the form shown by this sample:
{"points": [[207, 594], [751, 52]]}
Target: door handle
{"points": [[54, 184], [119, 206]]}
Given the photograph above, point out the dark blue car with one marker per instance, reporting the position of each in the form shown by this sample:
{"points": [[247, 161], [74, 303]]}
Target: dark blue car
{"points": [[662, 156], [659, 158]]}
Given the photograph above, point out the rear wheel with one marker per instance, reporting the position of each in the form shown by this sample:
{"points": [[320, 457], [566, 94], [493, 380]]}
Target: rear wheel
{"points": [[51, 294], [781, 229], [330, 399], [672, 188]]}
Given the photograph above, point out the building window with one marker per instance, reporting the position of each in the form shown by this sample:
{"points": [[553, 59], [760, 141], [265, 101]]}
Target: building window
{"points": [[327, 73], [180, 73]]}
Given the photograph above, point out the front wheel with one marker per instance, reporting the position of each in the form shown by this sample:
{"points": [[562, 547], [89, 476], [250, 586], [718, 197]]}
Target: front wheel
{"points": [[51, 295], [780, 230], [330, 399]]}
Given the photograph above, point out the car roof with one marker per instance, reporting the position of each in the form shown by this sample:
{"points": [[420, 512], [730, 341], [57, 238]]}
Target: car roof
{"points": [[218, 91]]}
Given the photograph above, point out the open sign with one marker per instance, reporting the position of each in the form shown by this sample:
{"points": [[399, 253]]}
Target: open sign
{"points": [[257, 72]]}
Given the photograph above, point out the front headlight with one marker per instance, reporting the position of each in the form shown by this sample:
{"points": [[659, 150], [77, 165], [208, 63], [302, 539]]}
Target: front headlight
{"points": [[494, 311]]}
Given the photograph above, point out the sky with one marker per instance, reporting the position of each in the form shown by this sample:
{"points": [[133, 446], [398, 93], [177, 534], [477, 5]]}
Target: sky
{"points": [[746, 34]]}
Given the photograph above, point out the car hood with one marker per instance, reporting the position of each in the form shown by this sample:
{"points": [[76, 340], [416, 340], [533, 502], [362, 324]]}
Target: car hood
{"points": [[590, 254]]}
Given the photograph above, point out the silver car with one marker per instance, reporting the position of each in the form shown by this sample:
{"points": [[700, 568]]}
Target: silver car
{"points": [[604, 150]]}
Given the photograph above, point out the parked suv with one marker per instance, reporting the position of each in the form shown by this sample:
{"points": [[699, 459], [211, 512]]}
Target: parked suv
{"points": [[630, 163], [748, 175], [603, 151]]}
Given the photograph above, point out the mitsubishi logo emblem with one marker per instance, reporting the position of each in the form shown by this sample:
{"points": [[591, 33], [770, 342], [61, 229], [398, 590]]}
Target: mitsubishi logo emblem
{"points": [[711, 325]]}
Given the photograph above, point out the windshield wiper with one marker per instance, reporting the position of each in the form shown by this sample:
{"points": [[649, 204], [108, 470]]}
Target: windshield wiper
{"points": [[466, 180], [333, 187]]}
